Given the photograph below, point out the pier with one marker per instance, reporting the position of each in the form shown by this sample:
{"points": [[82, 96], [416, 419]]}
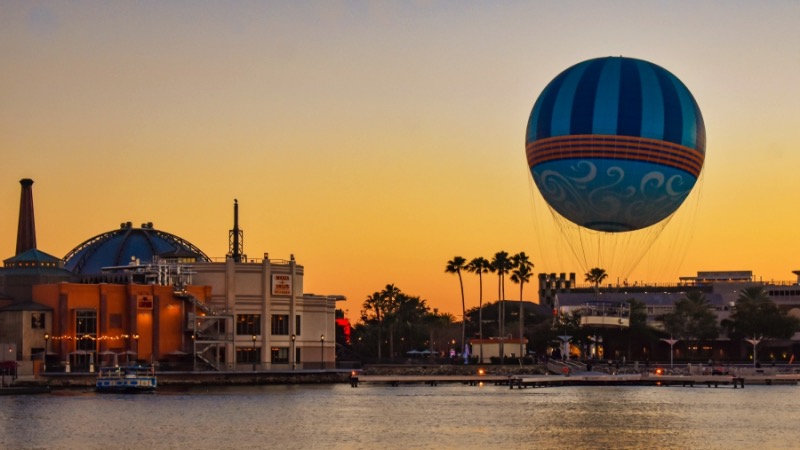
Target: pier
{"points": [[580, 379]]}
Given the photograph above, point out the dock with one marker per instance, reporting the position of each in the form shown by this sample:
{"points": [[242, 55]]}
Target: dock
{"points": [[580, 379]]}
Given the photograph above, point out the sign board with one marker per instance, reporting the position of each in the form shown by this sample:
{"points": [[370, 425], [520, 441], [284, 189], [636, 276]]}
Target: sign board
{"points": [[144, 301], [281, 284]]}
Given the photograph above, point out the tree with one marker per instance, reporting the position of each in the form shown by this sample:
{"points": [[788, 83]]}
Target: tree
{"points": [[756, 316], [403, 314], [480, 266], [637, 323], [435, 321], [521, 274], [456, 265], [596, 276], [501, 264], [692, 319], [373, 312], [390, 296]]}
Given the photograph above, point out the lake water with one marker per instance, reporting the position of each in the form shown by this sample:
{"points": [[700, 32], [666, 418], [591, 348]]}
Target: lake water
{"points": [[419, 417]]}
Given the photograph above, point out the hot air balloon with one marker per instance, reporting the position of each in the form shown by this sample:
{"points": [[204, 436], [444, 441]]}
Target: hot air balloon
{"points": [[614, 146]]}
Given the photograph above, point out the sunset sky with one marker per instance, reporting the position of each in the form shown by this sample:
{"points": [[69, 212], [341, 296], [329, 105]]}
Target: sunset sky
{"points": [[375, 140]]}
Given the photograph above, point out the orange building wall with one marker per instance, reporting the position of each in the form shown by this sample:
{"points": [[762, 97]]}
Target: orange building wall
{"points": [[160, 329]]}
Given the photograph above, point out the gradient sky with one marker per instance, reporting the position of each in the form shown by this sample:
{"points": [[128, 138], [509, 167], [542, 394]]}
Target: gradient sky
{"points": [[377, 140]]}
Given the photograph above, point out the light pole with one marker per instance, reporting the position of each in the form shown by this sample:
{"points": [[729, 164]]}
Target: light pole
{"points": [[46, 347], [671, 343], [255, 356], [322, 351], [293, 356], [755, 342], [136, 349], [194, 353]]}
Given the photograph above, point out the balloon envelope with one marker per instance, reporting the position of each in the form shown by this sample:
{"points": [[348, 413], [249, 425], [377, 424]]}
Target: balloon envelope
{"points": [[615, 144]]}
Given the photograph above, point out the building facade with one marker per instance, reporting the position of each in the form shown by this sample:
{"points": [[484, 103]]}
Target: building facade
{"points": [[138, 293]]}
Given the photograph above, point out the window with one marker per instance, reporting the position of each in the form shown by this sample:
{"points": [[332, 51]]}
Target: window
{"points": [[37, 320], [297, 358], [248, 324], [248, 354], [280, 324], [85, 329], [280, 355], [297, 325]]}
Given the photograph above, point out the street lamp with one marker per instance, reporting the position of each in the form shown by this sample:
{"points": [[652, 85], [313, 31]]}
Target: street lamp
{"points": [[755, 342], [194, 353], [322, 351], [136, 349], [255, 358], [671, 343], [46, 347], [293, 356]]}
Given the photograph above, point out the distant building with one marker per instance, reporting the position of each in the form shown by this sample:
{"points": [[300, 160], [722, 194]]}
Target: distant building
{"points": [[721, 289], [494, 347]]}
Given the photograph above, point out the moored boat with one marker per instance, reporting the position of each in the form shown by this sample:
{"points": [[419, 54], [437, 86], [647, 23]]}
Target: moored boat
{"points": [[132, 378]]}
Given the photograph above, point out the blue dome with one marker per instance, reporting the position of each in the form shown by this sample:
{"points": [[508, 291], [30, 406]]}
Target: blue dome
{"points": [[615, 144], [121, 246]]}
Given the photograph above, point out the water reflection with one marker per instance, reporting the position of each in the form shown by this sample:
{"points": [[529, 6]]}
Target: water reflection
{"points": [[338, 416]]}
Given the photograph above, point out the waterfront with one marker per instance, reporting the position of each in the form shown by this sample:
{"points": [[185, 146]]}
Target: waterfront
{"points": [[455, 416]]}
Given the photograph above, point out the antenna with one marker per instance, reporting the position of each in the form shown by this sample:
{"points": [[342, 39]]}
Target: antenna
{"points": [[236, 236]]}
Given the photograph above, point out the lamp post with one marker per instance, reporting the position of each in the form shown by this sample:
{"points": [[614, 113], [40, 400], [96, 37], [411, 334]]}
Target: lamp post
{"points": [[755, 342], [255, 358], [293, 356], [194, 353], [136, 346], [671, 343], [46, 347], [322, 351]]}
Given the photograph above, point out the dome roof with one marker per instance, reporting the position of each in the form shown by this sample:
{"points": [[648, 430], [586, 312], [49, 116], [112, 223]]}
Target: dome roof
{"points": [[120, 247]]}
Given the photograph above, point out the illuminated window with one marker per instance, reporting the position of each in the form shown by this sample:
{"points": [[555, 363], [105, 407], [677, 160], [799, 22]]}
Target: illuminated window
{"points": [[248, 324], [280, 355], [280, 324], [248, 354], [85, 329]]}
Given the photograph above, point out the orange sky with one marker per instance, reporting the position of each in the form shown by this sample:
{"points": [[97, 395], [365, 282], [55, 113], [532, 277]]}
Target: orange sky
{"points": [[377, 140]]}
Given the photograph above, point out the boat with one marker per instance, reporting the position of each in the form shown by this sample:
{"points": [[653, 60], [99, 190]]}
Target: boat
{"points": [[131, 378]]}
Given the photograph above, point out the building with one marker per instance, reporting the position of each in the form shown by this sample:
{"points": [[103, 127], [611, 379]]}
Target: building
{"points": [[145, 294], [720, 288]]}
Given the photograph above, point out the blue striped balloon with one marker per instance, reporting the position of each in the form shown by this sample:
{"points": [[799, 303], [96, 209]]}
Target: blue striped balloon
{"points": [[615, 144]]}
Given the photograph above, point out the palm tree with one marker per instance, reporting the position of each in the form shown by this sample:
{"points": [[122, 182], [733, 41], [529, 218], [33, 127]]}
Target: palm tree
{"points": [[756, 317], [390, 294], [436, 321], [456, 265], [501, 264], [479, 265], [523, 270], [376, 303], [596, 276], [692, 318]]}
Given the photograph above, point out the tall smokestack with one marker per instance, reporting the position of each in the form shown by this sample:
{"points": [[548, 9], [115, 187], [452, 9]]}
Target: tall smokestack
{"points": [[26, 231]]}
